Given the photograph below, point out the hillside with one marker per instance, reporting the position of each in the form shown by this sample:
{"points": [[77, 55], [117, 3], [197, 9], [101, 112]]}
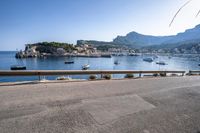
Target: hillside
{"points": [[140, 40], [186, 47], [50, 47], [136, 39], [101, 45]]}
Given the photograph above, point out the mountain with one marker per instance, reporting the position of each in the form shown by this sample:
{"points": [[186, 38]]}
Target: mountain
{"points": [[185, 42], [135, 39], [141, 40]]}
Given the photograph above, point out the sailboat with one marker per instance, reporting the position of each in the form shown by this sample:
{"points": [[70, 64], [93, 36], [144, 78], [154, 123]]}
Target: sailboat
{"points": [[116, 62], [17, 67], [161, 63], [85, 67], [148, 59], [70, 61]]}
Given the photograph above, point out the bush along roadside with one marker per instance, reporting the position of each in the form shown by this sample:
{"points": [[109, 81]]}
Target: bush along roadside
{"points": [[92, 77], [129, 76], [107, 76], [163, 74]]}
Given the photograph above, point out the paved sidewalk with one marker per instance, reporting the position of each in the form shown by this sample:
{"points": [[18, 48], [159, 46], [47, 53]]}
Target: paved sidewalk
{"points": [[149, 105]]}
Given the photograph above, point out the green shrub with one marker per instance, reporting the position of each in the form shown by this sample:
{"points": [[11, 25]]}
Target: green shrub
{"points": [[93, 77], [163, 74], [63, 78], [107, 76], [129, 76], [155, 75], [173, 74]]}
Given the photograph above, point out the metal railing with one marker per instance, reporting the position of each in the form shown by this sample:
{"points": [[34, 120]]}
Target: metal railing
{"points": [[80, 72], [192, 72]]}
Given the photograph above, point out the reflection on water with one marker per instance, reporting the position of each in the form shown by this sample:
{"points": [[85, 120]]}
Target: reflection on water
{"points": [[125, 63]]}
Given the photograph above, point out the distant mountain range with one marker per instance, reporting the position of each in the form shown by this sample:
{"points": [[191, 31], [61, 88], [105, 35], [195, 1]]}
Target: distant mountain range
{"points": [[138, 41]]}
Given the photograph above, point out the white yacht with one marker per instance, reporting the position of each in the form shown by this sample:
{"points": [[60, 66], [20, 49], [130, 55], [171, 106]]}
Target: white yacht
{"points": [[85, 66]]}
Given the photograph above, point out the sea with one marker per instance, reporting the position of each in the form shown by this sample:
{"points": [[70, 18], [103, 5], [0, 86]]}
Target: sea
{"points": [[7, 59]]}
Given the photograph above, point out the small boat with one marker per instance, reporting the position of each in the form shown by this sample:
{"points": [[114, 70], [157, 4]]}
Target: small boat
{"points": [[198, 64], [148, 59], [85, 67], [116, 62], [133, 54], [106, 56], [155, 56], [161, 63], [69, 62], [17, 67], [120, 54]]}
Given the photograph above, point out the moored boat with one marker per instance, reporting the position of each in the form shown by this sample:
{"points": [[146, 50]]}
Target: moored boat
{"points": [[17, 67], [133, 54], [161, 63], [116, 62], [148, 59], [69, 62], [85, 66], [155, 57], [106, 56]]}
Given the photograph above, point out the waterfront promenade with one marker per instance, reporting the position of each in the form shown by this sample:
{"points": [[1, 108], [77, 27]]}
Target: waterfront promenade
{"points": [[145, 105]]}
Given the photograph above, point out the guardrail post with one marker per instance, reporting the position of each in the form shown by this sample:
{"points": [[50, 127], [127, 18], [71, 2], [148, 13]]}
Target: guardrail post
{"points": [[183, 74], [39, 76], [140, 74], [190, 73], [101, 75]]}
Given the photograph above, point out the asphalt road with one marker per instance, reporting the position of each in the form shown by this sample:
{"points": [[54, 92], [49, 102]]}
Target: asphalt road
{"points": [[151, 105]]}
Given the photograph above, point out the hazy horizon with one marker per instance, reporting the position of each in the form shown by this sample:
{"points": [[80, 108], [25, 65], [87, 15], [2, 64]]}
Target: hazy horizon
{"points": [[28, 21]]}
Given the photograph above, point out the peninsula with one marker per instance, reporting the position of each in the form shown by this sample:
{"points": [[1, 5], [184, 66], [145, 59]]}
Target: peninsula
{"points": [[43, 49]]}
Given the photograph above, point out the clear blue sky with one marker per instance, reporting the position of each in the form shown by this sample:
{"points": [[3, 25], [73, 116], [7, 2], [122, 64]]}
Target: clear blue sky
{"points": [[30, 21]]}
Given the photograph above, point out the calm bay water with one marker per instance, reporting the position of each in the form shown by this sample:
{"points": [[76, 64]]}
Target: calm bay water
{"points": [[8, 59]]}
